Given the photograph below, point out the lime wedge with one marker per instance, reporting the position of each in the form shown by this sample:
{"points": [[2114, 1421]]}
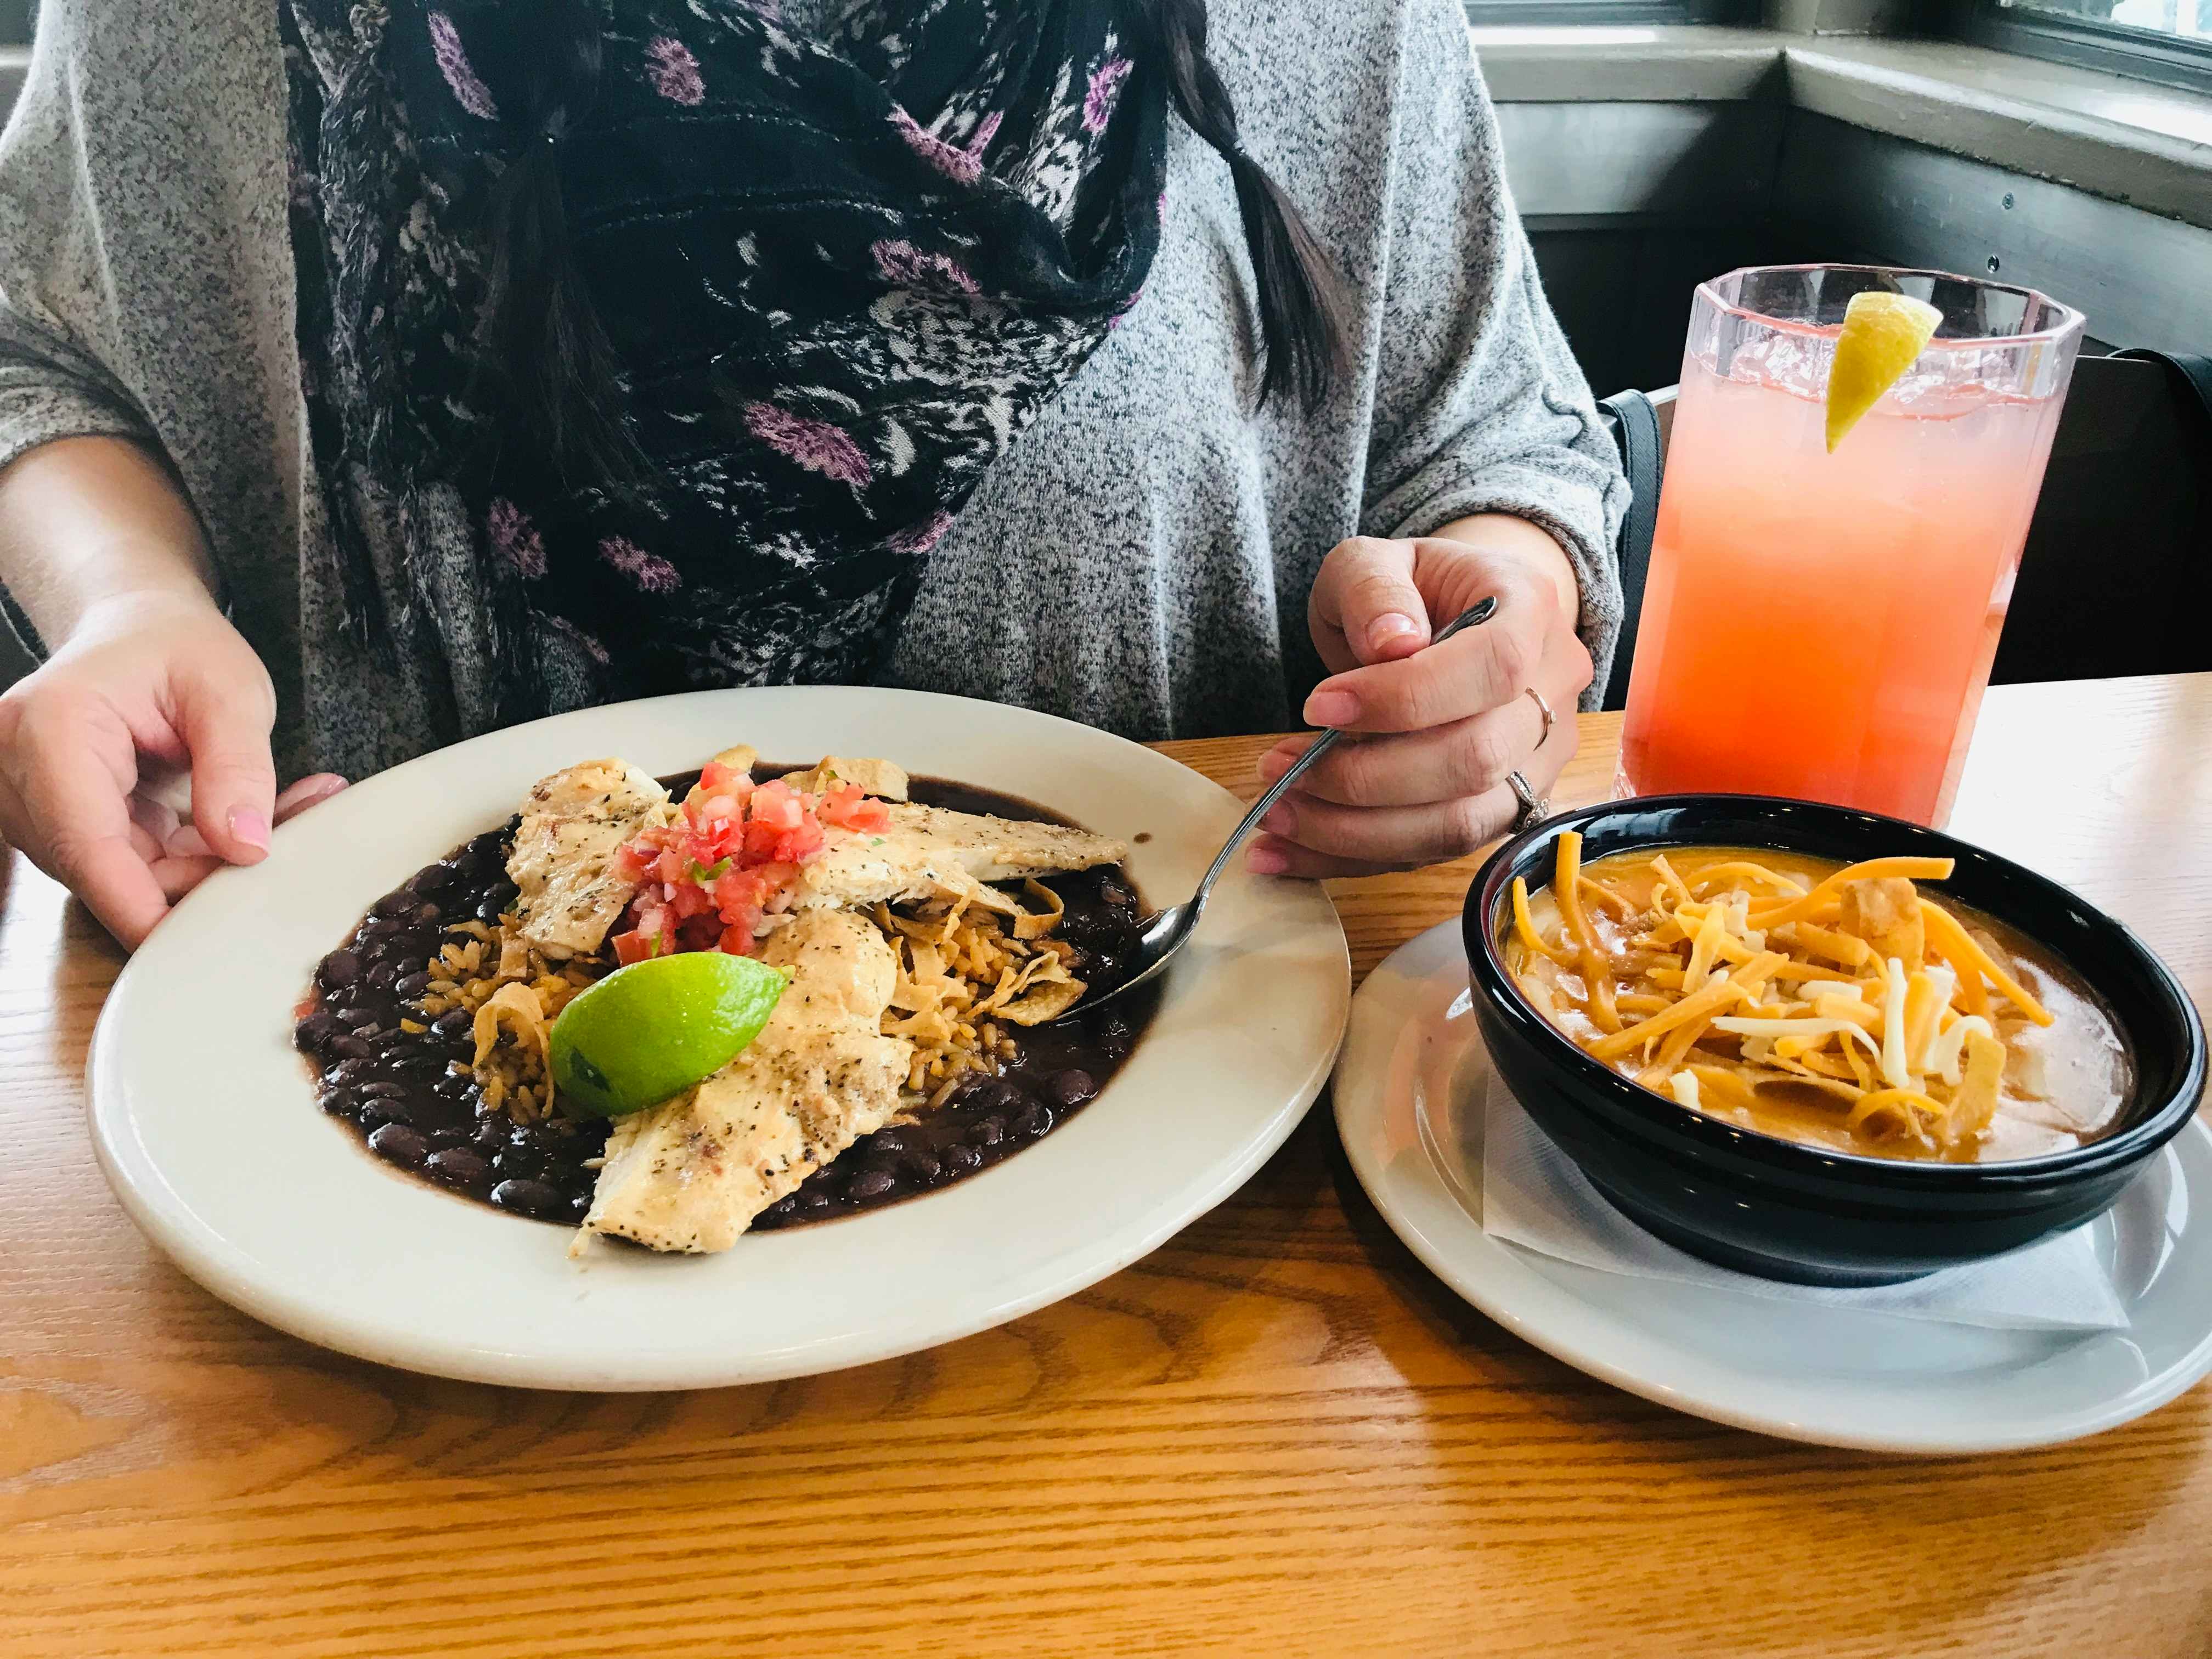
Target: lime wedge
{"points": [[1883, 333], [647, 1032]]}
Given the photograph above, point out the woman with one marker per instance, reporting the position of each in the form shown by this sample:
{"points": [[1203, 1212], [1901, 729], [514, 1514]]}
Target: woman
{"points": [[372, 374]]}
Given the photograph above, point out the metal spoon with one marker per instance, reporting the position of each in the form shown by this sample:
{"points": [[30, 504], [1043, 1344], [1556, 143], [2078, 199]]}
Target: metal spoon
{"points": [[1168, 931]]}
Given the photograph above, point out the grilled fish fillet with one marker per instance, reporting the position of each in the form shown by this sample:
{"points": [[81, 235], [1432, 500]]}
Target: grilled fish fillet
{"points": [[929, 852], [691, 1175], [564, 848]]}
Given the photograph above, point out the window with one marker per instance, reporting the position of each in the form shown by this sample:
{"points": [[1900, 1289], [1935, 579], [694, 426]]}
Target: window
{"points": [[2164, 40], [15, 22]]}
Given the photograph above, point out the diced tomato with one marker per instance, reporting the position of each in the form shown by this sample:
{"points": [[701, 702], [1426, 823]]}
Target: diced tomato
{"points": [[777, 804], [845, 807], [710, 880]]}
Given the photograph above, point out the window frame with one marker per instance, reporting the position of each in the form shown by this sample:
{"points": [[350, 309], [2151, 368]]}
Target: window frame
{"points": [[2167, 60], [1598, 13]]}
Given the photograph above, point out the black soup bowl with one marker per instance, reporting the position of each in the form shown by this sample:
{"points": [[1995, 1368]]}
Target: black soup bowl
{"points": [[1780, 1209]]}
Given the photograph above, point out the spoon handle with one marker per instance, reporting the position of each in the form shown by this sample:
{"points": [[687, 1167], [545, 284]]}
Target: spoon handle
{"points": [[1478, 612]]}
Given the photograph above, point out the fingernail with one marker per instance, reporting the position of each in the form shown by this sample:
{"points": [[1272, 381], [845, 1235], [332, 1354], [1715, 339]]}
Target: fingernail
{"points": [[1391, 625], [1266, 861], [1274, 763], [250, 827], [1331, 708], [1282, 819]]}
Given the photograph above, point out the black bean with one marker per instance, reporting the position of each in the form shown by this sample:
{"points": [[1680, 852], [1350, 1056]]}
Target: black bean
{"points": [[418, 1064], [989, 1133], [1032, 1121], [871, 1183], [383, 1088], [811, 1199], [491, 909], [452, 1022], [960, 1159], [313, 1033], [392, 904], [426, 913], [578, 1204], [922, 1166], [1070, 1088], [490, 1134], [401, 1145], [887, 1140], [375, 1112], [532, 1198], [356, 1017], [1115, 894], [339, 968], [382, 974], [458, 1165], [992, 1094], [348, 1048], [346, 1071], [411, 987], [526, 1162], [450, 1135], [783, 1207]]}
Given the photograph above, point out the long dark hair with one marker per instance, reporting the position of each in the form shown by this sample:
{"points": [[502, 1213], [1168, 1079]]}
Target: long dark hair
{"points": [[544, 364]]}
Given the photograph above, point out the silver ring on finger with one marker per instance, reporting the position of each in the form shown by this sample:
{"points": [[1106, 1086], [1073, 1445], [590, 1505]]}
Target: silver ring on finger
{"points": [[1543, 708], [1535, 809]]}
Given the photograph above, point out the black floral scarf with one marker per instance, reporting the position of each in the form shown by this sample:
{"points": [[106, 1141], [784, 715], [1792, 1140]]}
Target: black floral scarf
{"points": [[840, 276]]}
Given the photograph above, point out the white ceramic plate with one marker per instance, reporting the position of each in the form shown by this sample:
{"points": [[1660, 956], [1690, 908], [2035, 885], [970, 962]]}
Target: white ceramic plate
{"points": [[206, 1124], [1413, 1064]]}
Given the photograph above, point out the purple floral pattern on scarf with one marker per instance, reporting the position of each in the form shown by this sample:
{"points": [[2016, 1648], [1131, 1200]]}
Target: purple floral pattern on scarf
{"points": [[674, 71], [962, 166], [815, 445], [1105, 92], [921, 538], [469, 91], [515, 539], [653, 574], [908, 266]]}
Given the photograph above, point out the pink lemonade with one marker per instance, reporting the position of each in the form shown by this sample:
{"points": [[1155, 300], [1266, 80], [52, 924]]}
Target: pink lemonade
{"points": [[1821, 625]]}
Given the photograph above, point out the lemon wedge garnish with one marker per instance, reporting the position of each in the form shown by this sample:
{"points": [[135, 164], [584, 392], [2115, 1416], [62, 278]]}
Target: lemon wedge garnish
{"points": [[1883, 333]]}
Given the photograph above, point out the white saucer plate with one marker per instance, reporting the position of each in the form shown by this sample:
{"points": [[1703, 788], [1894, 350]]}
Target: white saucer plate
{"points": [[206, 1124], [1408, 1091]]}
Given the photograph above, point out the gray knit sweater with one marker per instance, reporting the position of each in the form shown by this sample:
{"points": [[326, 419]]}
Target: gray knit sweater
{"points": [[1139, 560]]}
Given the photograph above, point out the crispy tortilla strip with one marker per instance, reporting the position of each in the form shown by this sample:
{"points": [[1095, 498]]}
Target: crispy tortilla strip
{"points": [[879, 778], [1799, 909], [1975, 1102], [1885, 912], [516, 1007]]}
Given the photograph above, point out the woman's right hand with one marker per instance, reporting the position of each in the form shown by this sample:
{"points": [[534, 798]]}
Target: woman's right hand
{"points": [[148, 684]]}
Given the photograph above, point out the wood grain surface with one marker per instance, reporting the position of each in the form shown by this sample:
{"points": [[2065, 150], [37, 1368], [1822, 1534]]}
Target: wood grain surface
{"points": [[1277, 1435]]}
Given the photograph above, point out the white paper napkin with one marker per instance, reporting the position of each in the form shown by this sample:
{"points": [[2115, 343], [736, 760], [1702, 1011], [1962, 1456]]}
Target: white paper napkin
{"points": [[1533, 1197]]}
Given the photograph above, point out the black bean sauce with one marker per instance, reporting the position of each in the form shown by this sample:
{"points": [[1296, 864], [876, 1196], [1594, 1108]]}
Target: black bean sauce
{"points": [[409, 1097]]}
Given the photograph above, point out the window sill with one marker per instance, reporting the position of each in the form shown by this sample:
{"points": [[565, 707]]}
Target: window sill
{"points": [[2126, 141]]}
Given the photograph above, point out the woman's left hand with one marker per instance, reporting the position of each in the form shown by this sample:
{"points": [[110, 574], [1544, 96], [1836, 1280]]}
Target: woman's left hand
{"points": [[1425, 780]]}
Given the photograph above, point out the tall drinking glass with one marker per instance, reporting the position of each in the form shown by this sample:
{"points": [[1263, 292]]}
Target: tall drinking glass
{"points": [[1820, 625]]}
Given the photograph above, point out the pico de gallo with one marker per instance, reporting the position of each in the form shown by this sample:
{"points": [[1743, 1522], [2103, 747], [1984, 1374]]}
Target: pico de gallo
{"points": [[730, 861]]}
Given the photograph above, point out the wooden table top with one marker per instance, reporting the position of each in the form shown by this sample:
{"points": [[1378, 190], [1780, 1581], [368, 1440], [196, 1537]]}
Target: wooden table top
{"points": [[1276, 1435]]}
